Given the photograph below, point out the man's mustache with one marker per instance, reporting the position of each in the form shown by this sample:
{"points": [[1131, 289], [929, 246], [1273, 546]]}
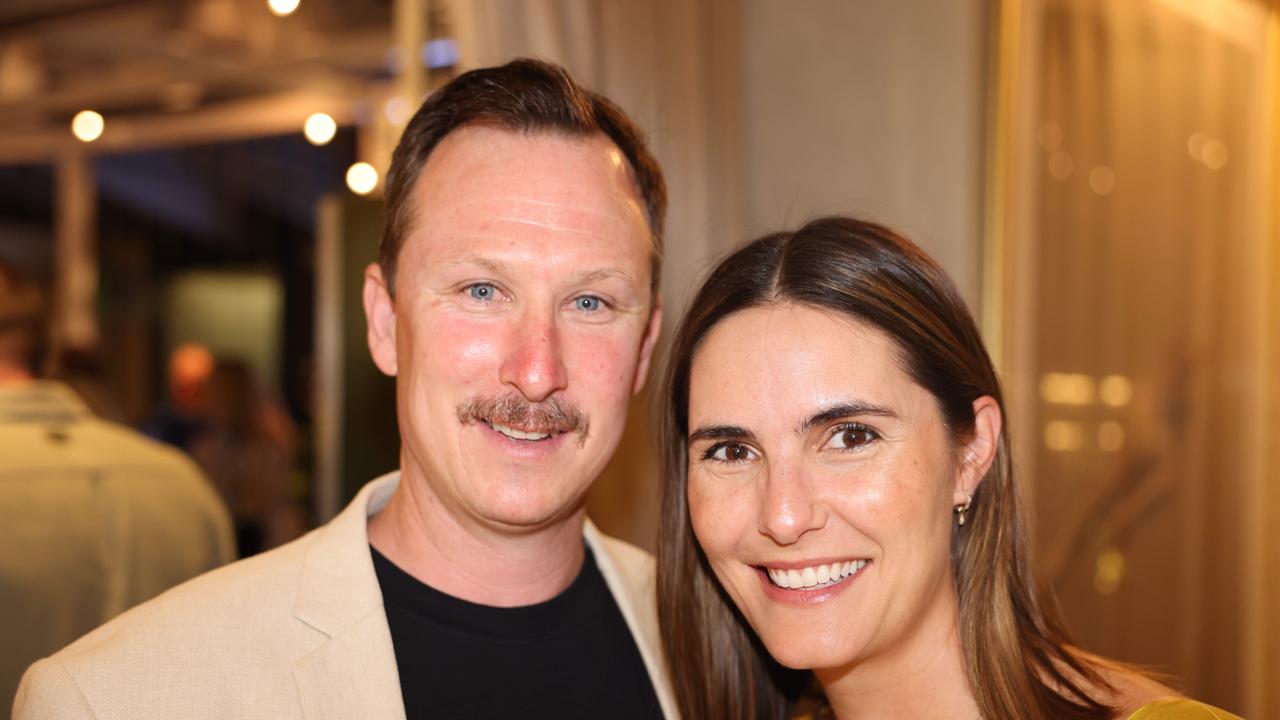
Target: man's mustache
{"points": [[549, 416]]}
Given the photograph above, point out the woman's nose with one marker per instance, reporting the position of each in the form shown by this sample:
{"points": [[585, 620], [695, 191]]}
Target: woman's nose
{"points": [[789, 508]]}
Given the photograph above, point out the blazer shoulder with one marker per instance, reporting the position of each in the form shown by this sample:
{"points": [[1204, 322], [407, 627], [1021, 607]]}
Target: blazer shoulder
{"points": [[48, 691]]}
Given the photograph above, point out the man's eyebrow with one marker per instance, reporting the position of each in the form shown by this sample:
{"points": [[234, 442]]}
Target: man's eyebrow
{"points": [[720, 432], [497, 267], [606, 274], [843, 410]]}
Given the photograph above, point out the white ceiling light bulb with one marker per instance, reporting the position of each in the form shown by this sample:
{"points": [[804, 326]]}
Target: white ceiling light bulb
{"points": [[87, 125], [282, 7], [319, 129], [362, 178]]}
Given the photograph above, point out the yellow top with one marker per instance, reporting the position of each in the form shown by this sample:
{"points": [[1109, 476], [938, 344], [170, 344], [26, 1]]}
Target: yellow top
{"points": [[1181, 710], [1160, 710]]}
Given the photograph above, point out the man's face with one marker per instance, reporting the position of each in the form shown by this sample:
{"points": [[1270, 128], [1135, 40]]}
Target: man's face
{"points": [[522, 323]]}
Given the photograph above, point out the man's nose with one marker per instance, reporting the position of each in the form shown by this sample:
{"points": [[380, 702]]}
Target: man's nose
{"points": [[790, 507], [533, 361]]}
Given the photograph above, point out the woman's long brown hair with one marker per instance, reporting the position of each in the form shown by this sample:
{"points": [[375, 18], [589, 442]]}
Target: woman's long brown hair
{"points": [[1019, 660]]}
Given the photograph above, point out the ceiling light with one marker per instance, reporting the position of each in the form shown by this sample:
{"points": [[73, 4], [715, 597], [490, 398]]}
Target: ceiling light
{"points": [[87, 125], [362, 178], [283, 7], [319, 129]]}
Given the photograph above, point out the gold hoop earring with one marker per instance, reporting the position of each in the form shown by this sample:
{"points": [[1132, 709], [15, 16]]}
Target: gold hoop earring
{"points": [[962, 509]]}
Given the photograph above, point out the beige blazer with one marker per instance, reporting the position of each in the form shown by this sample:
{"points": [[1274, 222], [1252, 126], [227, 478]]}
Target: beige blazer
{"points": [[298, 632]]}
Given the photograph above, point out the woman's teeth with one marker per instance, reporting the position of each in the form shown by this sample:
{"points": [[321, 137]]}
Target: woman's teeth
{"points": [[815, 577]]}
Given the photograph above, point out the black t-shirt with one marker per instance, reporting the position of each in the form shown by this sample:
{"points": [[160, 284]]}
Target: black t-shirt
{"points": [[569, 657]]}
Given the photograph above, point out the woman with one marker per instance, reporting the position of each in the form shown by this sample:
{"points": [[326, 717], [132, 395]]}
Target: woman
{"points": [[838, 498]]}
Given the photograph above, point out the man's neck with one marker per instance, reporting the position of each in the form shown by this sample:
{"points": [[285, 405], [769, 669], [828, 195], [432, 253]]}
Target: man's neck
{"points": [[471, 562]]}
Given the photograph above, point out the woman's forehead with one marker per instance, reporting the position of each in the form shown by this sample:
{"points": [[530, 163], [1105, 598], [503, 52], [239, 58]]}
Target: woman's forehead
{"points": [[796, 358]]}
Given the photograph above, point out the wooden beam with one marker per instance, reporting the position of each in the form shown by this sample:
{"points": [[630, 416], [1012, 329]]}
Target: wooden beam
{"points": [[340, 65], [272, 115]]}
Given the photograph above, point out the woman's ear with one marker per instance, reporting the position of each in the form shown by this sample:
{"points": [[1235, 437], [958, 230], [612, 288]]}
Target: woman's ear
{"points": [[979, 451]]}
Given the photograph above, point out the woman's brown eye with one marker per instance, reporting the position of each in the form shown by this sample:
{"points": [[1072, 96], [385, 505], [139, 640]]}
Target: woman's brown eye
{"points": [[728, 452], [856, 436]]}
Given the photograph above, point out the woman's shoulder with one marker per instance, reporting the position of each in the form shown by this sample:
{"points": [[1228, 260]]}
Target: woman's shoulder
{"points": [[1180, 709], [1143, 697], [1139, 695]]}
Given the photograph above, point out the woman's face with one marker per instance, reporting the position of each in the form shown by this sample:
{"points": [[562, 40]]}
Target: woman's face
{"points": [[821, 486]]}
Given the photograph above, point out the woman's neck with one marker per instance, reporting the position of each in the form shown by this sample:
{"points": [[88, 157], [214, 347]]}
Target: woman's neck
{"points": [[922, 676]]}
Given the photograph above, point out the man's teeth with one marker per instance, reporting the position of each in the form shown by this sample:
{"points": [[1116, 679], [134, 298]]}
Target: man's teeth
{"points": [[519, 434], [818, 576]]}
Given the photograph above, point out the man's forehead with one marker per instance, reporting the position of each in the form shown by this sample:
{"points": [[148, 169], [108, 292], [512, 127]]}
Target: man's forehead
{"points": [[563, 215], [488, 181], [471, 160], [507, 149]]}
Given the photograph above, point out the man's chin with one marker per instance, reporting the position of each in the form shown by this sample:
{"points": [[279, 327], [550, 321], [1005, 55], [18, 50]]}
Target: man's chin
{"points": [[524, 515]]}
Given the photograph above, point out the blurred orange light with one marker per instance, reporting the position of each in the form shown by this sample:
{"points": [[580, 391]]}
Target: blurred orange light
{"points": [[87, 126], [1063, 435], [1115, 390], [362, 178], [397, 110], [1061, 165], [1215, 154], [1050, 136], [319, 129], [282, 7], [1102, 180], [1110, 436]]}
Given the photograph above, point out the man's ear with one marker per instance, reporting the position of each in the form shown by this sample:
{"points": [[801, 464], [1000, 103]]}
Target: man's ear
{"points": [[380, 313], [646, 346], [977, 454]]}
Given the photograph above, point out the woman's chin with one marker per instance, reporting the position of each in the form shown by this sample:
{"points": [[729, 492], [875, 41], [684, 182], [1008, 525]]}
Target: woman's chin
{"points": [[810, 654]]}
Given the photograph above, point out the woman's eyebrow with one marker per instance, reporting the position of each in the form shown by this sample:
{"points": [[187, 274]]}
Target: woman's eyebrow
{"points": [[720, 432], [843, 410]]}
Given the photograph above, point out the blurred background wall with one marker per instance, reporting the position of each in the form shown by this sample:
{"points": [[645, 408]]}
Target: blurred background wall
{"points": [[1137, 175], [1096, 175]]}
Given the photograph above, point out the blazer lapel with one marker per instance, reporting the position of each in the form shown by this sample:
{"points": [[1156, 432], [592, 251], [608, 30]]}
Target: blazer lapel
{"points": [[352, 671], [629, 573]]}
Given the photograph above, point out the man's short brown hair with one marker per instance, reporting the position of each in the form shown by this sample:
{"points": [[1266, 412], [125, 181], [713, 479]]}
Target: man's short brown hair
{"points": [[527, 96]]}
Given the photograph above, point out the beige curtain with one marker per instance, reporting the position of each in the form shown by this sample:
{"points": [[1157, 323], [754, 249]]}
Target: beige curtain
{"points": [[1143, 267]]}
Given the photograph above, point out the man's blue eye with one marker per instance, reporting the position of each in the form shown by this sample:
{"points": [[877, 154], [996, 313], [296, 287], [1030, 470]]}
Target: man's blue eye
{"points": [[588, 303], [482, 291]]}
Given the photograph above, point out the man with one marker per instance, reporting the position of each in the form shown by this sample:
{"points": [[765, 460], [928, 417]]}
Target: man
{"points": [[515, 302], [94, 518]]}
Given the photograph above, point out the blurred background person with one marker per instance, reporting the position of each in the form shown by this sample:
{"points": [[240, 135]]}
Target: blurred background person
{"points": [[83, 371], [183, 417], [94, 518], [247, 448]]}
